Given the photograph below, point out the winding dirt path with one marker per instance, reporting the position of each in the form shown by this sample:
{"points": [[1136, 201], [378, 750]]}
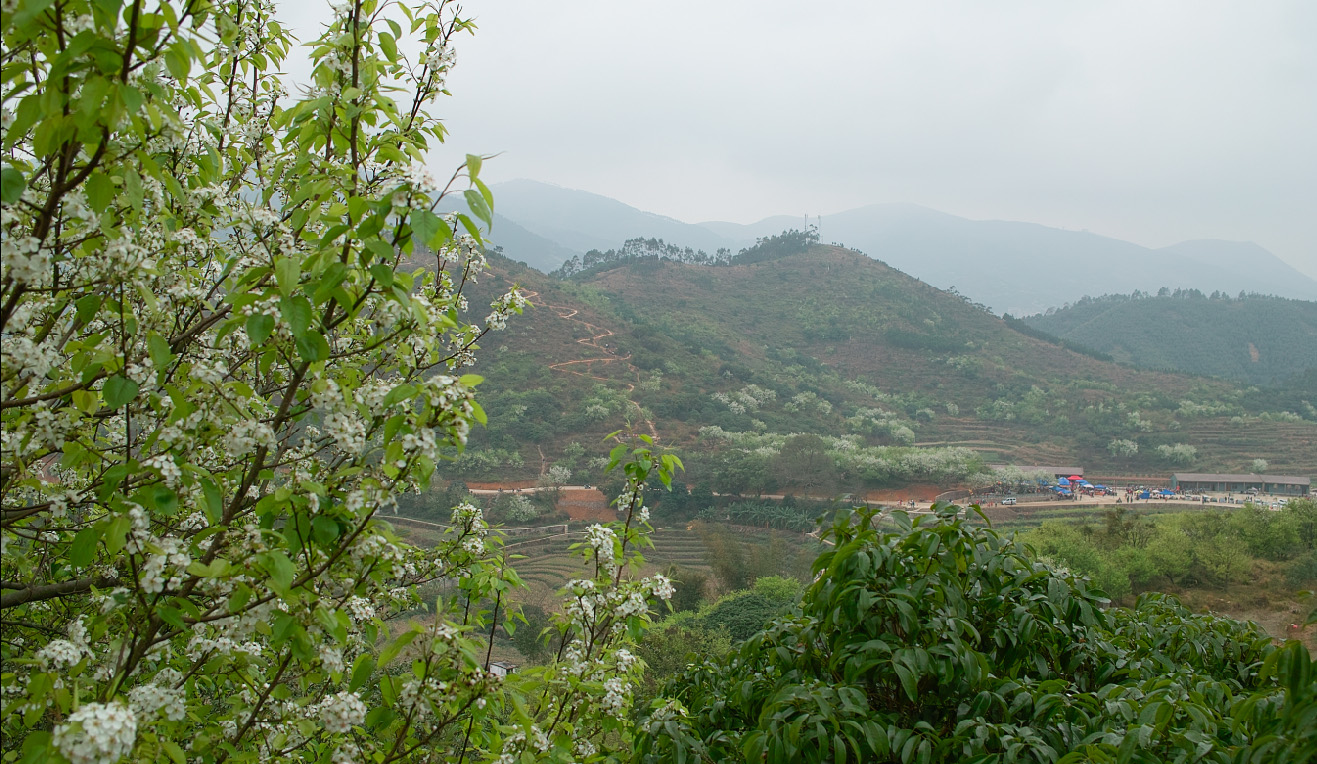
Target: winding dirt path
{"points": [[596, 333]]}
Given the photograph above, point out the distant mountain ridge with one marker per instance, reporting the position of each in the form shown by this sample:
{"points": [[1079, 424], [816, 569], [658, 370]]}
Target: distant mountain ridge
{"points": [[580, 221], [1026, 267], [1020, 268]]}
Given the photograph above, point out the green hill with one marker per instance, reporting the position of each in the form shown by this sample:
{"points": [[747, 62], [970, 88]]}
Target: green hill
{"points": [[1255, 339], [902, 382]]}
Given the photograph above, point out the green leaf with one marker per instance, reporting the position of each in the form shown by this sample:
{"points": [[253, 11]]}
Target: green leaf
{"points": [[361, 671], [171, 615], [86, 401], [161, 352], [473, 164], [213, 503], [380, 249], [383, 274], [178, 63], [165, 500], [425, 224], [36, 744], [279, 567], [242, 594], [471, 228], [12, 185], [213, 570], [259, 327], [478, 207], [908, 681], [313, 347], [174, 752], [116, 533], [132, 186], [400, 393], [389, 46], [100, 191], [287, 272], [380, 717], [83, 550], [87, 306], [118, 391], [297, 312], [485, 192], [391, 652], [324, 530]]}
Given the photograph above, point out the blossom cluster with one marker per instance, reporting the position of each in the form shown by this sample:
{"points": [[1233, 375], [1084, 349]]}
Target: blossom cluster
{"points": [[593, 679], [97, 733]]}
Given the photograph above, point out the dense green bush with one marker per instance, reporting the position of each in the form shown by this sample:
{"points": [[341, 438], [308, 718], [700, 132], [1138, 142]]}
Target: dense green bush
{"points": [[742, 614], [1130, 554], [711, 632], [943, 642], [737, 564]]}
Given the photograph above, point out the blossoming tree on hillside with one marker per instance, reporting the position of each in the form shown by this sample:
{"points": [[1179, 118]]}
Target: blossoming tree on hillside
{"points": [[220, 364]]}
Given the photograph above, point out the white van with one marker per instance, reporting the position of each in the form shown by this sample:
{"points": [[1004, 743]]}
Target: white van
{"points": [[1009, 500]]}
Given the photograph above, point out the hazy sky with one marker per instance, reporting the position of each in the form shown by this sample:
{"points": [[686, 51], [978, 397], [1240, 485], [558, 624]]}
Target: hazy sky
{"points": [[1154, 122]]}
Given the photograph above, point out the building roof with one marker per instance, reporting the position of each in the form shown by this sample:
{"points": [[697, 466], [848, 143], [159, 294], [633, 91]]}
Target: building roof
{"points": [[1206, 477]]}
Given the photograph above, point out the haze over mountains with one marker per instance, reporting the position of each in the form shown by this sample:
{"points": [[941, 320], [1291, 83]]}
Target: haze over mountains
{"points": [[1011, 267]]}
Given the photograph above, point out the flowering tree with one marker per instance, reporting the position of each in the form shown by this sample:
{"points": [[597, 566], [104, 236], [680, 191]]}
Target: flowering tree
{"points": [[575, 708], [552, 481], [221, 361]]}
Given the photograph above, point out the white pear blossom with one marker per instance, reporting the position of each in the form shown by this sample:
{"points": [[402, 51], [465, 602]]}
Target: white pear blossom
{"points": [[342, 711], [97, 733]]}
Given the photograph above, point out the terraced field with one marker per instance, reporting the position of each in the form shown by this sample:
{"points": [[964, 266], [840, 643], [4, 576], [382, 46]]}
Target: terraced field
{"points": [[548, 565], [1024, 517], [678, 546], [997, 441], [1289, 447]]}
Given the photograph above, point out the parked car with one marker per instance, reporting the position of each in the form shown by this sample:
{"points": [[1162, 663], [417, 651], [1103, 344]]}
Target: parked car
{"points": [[1008, 500]]}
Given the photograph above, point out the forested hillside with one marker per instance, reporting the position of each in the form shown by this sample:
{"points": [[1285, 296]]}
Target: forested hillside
{"points": [[897, 380], [1252, 338]]}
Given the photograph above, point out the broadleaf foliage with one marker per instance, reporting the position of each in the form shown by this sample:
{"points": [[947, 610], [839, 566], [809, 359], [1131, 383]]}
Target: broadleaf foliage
{"points": [[940, 641]]}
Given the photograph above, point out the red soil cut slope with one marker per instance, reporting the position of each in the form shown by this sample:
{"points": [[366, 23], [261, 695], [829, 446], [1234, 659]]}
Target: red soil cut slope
{"points": [[916, 491], [502, 485], [586, 505]]}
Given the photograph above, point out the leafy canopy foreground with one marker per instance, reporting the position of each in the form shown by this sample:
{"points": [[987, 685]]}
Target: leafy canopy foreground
{"points": [[943, 642]]}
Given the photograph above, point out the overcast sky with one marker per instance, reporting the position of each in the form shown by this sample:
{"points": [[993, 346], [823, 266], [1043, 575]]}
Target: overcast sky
{"points": [[1153, 122]]}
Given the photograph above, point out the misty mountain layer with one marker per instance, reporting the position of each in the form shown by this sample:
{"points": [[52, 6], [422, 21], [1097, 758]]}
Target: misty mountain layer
{"points": [[1012, 267]]}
